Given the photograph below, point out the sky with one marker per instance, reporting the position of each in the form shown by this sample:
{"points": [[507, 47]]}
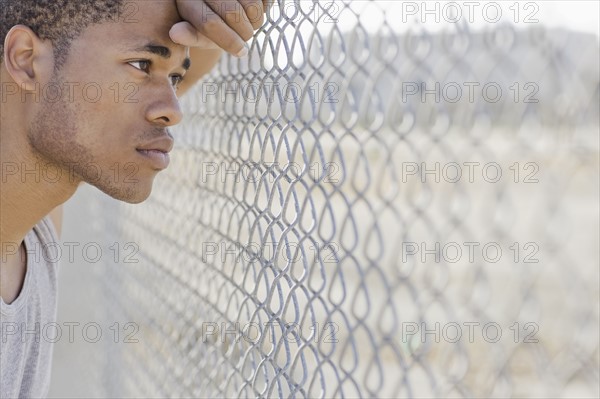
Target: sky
{"points": [[402, 15], [577, 15]]}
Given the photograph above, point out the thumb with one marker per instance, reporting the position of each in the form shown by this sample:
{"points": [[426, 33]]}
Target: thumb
{"points": [[185, 34]]}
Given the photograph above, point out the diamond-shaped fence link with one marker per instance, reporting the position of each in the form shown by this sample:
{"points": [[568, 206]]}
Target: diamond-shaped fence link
{"points": [[366, 207]]}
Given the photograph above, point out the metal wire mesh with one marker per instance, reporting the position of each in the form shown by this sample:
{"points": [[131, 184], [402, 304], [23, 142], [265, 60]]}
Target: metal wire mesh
{"points": [[332, 221]]}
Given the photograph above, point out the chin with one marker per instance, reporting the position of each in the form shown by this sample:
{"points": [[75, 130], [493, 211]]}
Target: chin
{"points": [[132, 194], [137, 199]]}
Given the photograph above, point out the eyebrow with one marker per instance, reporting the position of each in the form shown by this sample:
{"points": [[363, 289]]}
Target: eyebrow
{"points": [[161, 51]]}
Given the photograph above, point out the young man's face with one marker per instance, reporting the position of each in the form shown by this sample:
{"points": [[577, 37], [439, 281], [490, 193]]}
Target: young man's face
{"points": [[112, 105]]}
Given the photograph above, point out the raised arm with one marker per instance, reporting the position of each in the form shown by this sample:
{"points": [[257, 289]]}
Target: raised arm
{"points": [[211, 25], [203, 61]]}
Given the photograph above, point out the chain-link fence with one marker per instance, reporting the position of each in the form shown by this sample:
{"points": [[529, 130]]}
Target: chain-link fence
{"points": [[365, 206]]}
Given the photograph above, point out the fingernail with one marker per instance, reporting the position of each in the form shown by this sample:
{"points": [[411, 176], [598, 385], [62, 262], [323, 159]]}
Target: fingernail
{"points": [[243, 52]]}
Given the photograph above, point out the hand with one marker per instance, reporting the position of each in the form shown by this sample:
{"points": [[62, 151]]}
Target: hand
{"points": [[226, 24]]}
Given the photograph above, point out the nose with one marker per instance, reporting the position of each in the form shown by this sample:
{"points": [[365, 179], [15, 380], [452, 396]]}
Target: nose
{"points": [[165, 109]]}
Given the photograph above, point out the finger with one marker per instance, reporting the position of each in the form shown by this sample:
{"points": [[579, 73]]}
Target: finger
{"points": [[186, 35], [255, 12], [207, 23], [234, 16]]}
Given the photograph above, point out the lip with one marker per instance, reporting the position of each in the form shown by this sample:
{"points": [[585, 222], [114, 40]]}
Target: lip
{"points": [[159, 159], [162, 144], [157, 151]]}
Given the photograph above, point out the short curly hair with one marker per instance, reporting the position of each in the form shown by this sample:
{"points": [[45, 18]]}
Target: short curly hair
{"points": [[60, 21]]}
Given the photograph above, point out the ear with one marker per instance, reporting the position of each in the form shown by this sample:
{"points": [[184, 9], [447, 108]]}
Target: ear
{"points": [[27, 59]]}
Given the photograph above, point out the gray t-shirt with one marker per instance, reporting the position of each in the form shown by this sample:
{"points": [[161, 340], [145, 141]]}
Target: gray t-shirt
{"points": [[27, 322]]}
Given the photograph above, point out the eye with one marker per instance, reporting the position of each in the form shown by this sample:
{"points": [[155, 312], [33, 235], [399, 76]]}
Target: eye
{"points": [[176, 80], [144, 65]]}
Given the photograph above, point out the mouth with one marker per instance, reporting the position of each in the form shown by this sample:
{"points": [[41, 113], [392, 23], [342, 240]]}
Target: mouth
{"points": [[158, 158], [156, 152]]}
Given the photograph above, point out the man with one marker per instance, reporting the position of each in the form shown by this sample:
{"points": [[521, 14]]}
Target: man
{"points": [[89, 90]]}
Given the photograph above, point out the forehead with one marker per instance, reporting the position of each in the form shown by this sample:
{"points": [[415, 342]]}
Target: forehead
{"points": [[148, 16], [139, 22]]}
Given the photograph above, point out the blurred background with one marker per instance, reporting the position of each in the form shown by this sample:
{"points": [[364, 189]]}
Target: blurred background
{"points": [[384, 199]]}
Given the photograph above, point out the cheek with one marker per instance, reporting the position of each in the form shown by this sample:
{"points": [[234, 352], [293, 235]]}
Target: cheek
{"points": [[108, 108], [66, 132], [100, 119], [53, 130]]}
